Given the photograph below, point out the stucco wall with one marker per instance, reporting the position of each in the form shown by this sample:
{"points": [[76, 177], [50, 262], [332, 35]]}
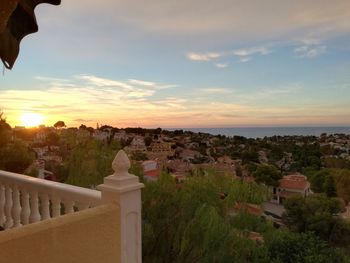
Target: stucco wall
{"points": [[90, 236]]}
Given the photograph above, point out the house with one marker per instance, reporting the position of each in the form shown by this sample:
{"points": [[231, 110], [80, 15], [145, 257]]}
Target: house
{"points": [[121, 135], [151, 170], [101, 135], [178, 166], [137, 144], [224, 159], [189, 155], [159, 147], [41, 151], [41, 136], [289, 185]]}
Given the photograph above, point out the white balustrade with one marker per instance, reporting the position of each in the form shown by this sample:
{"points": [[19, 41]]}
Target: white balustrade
{"points": [[24, 199], [8, 207], [25, 212], [45, 206], [56, 207], [16, 209]]}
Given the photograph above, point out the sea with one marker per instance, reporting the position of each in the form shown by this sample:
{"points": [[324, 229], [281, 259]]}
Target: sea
{"points": [[261, 132]]}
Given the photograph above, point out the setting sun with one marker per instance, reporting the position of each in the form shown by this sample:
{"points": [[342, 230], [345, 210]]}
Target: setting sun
{"points": [[31, 119]]}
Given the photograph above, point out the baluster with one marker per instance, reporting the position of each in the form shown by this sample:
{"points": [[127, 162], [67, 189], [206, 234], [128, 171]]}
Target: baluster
{"points": [[2, 204], [34, 208], [82, 206], [8, 207], [56, 207], [68, 207], [25, 213], [45, 207], [16, 208]]}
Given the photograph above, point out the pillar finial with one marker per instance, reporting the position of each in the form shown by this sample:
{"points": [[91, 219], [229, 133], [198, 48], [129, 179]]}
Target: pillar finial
{"points": [[121, 164]]}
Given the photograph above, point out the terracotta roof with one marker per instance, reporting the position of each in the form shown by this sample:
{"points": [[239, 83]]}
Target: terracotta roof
{"points": [[153, 173], [294, 182]]}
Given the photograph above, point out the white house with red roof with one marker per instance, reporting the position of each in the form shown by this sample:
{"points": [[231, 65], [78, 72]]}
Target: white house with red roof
{"points": [[289, 185], [151, 170]]}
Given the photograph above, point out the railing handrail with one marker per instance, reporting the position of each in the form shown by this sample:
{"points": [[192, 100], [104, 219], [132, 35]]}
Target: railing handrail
{"points": [[50, 187]]}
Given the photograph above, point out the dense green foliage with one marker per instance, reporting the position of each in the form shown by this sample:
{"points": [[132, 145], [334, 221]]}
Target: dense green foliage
{"points": [[323, 182], [88, 161], [15, 156], [192, 223], [5, 129], [315, 213], [267, 174], [286, 247]]}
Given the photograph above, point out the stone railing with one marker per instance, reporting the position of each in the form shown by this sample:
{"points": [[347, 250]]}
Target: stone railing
{"points": [[25, 200]]}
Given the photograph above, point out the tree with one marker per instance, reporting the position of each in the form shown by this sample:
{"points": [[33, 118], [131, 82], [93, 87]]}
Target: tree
{"points": [[191, 224], [343, 184], [59, 124], [323, 182], [314, 213], [5, 130], [89, 162], [139, 156], [148, 140], [267, 174], [16, 157], [288, 247], [52, 138]]}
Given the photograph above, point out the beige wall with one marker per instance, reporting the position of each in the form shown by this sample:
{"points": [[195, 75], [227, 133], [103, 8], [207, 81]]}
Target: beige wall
{"points": [[90, 236]]}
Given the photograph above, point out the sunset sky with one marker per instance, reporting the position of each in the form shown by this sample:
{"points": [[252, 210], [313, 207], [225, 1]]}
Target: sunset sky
{"points": [[194, 63]]}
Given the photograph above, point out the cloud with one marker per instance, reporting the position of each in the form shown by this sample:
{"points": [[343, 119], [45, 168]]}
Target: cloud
{"points": [[90, 105], [243, 55], [232, 19], [215, 91], [221, 65], [121, 27], [245, 59], [246, 54], [83, 120], [92, 97], [142, 83], [104, 82], [309, 47], [203, 56], [310, 51], [251, 51]]}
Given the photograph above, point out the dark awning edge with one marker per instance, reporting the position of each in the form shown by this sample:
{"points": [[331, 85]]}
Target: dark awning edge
{"points": [[21, 23]]}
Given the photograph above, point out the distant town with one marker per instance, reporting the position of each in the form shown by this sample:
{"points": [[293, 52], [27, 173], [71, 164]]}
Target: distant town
{"points": [[183, 153]]}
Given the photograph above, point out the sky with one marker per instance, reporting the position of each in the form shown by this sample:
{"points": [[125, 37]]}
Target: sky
{"points": [[193, 63]]}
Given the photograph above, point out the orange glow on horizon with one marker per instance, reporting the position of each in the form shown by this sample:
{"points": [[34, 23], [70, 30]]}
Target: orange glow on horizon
{"points": [[30, 119]]}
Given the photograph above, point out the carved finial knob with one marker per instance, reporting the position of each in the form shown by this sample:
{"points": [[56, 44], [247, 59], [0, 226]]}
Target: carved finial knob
{"points": [[121, 164]]}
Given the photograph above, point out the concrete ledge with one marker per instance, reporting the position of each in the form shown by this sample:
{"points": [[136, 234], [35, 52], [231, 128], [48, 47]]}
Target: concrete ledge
{"points": [[90, 236]]}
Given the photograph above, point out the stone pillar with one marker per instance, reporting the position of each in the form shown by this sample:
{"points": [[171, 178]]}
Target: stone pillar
{"points": [[125, 189]]}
